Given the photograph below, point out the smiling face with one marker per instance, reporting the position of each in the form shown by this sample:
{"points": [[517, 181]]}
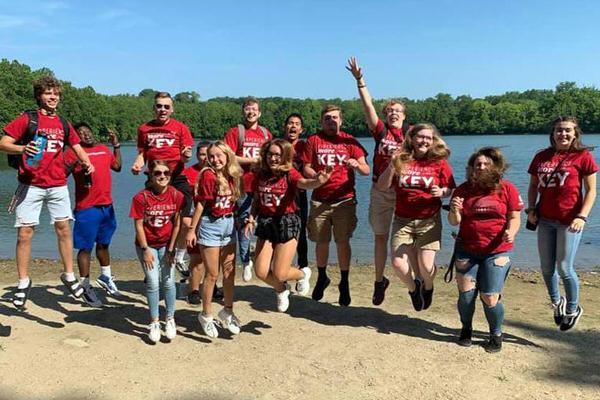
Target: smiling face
{"points": [[202, 154], [293, 128], [273, 155], [422, 141], [163, 108], [86, 135], [217, 158], [48, 99], [395, 115], [564, 134], [161, 175], [251, 113]]}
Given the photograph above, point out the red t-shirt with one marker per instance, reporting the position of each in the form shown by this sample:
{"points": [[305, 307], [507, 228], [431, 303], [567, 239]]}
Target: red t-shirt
{"points": [[276, 194], [158, 212], [100, 193], [164, 142], [484, 217], [191, 173], [389, 139], [216, 203], [413, 197], [50, 172], [561, 198], [253, 140], [299, 149], [323, 151]]}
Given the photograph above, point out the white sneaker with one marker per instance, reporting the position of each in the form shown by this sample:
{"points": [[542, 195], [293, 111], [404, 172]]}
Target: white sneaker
{"points": [[170, 328], [247, 272], [229, 321], [208, 325], [303, 285], [154, 334], [283, 299]]}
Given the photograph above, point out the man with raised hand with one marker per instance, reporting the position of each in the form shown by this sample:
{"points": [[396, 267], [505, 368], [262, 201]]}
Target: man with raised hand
{"points": [[35, 142]]}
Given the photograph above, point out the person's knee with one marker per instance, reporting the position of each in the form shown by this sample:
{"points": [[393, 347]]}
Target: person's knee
{"points": [[62, 228], [490, 300], [24, 235], [280, 274], [467, 296]]}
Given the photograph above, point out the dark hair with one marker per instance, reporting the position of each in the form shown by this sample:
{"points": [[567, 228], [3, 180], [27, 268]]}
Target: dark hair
{"points": [[576, 144], [294, 115], [202, 143], [44, 83], [156, 163], [82, 124], [163, 95], [490, 179]]}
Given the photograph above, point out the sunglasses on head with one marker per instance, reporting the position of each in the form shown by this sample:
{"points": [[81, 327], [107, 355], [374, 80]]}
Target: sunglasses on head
{"points": [[159, 173], [165, 106]]}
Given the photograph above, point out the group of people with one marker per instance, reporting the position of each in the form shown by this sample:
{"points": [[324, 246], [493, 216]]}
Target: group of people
{"points": [[251, 183]]}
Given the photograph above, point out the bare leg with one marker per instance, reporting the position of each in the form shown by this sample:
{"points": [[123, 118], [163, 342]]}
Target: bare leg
{"points": [[23, 250], [65, 243]]}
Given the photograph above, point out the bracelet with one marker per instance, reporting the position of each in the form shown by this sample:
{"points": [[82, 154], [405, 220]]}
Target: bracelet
{"points": [[361, 86], [116, 146], [582, 217], [359, 78], [529, 209]]}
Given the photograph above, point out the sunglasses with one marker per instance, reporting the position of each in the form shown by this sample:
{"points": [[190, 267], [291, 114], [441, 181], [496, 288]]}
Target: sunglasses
{"points": [[159, 173], [165, 106]]}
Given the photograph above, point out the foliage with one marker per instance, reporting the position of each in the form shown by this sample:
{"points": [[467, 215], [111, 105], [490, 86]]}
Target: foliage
{"points": [[511, 113]]}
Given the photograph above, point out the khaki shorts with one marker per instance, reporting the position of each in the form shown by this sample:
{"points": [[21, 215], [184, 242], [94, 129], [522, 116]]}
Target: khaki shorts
{"points": [[425, 234], [323, 217], [381, 210]]}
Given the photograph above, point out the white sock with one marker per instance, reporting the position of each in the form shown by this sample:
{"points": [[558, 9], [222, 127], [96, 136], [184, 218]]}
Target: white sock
{"points": [[105, 270], [179, 254], [84, 280], [70, 276], [23, 283]]}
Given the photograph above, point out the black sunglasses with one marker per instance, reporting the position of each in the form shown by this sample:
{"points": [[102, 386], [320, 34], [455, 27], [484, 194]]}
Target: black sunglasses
{"points": [[165, 106], [159, 173]]}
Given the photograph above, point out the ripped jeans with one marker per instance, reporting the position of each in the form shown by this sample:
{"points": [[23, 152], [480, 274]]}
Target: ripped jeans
{"points": [[489, 272]]}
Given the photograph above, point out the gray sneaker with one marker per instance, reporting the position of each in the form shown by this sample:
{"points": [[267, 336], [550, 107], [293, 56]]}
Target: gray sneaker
{"points": [[90, 296], [107, 283]]}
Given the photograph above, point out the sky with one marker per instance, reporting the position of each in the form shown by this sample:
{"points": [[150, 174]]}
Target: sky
{"points": [[412, 48]]}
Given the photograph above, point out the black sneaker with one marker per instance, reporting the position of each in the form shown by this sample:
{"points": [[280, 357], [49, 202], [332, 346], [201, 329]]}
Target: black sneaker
{"points": [[416, 296], [570, 320], [320, 287], [465, 337], [344, 298], [427, 298], [494, 344], [379, 291], [218, 293], [194, 297], [560, 310]]}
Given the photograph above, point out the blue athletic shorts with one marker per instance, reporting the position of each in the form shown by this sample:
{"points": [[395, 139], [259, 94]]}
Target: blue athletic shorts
{"points": [[94, 225]]}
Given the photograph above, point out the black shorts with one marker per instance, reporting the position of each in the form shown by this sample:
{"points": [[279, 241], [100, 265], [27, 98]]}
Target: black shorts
{"points": [[278, 229]]}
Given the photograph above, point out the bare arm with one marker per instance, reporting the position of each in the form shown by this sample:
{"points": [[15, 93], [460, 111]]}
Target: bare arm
{"points": [[139, 162], [309, 171], [454, 216], [589, 184], [385, 179], [532, 194], [365, 97], [320, 179], [148, 257], [7, 145], [190, 237], [360, 165], [83, 158], [512, 227], [114, 141]]}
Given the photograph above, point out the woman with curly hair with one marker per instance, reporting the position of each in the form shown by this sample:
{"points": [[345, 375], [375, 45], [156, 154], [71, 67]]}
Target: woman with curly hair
{"points": [[487, 208], [421, 176], [213, 227]]}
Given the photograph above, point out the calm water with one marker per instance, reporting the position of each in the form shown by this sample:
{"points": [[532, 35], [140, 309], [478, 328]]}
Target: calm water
{"points": [[519, 149]]}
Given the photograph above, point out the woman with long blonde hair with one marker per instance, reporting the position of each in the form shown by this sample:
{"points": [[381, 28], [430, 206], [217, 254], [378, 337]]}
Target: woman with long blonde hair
{"points": [[421, 176], [213, 227]]}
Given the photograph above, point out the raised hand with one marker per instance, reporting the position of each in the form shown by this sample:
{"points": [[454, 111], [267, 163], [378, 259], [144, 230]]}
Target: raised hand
{"points": [[354, 68], [113, 139]]}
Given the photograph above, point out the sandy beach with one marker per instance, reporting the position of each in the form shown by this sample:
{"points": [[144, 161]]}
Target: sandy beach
{"points": [[59, 348]]}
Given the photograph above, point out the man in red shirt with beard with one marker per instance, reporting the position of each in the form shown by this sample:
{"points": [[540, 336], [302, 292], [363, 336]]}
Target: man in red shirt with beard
{"points": [[333, 205]]}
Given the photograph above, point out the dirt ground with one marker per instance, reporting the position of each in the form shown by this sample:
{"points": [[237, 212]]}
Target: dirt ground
{"points": [[61, 349]]}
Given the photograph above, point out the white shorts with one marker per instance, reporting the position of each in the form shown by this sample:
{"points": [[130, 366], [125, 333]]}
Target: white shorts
{"points": [[29, 207]]}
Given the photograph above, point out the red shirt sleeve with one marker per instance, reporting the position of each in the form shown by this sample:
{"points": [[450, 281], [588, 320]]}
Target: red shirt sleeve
{"points": [[306, 155], [206, 186], [186, 139], [378, 131], [357, 151], [532, 170], [73, 136], [231, 139], [294, 176], [137, 206], [70, 158], [141, 140], [588, 164], [515, 203], [446, 177], [17, 127]]}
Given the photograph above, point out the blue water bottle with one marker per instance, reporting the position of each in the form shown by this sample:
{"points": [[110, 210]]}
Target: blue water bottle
{"points": [[40, 140]]}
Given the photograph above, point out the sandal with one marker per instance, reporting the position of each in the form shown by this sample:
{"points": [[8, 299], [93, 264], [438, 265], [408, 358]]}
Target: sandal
{"points": [[21, 295], [73, 286]]}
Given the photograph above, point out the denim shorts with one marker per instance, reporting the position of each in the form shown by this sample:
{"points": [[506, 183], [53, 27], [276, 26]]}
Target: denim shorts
{"points": [[31, 198], [94, 225], [216, 232], [489, 271]]}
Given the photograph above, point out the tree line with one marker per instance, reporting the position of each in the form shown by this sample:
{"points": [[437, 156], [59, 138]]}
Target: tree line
{"points": [[511, 113]]}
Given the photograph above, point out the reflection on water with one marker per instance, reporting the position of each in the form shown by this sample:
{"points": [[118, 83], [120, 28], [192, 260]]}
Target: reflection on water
{"points": [[519, 150]]}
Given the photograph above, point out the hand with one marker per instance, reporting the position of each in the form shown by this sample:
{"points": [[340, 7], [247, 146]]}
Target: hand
{"points": [[324, 175], [255, 164], [456, 205], [531, 217], [31, 149], [136, 168], [113, 139], [190, 238], [354, 68], [576, 225], [148, 258], [187, 152], [437, 191], [169, 258], [352, 163], [248, 228], [88, 167], [508, 236]]}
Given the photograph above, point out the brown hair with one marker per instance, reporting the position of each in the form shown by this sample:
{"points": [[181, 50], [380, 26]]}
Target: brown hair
{"points": [[232, 170], [162, 95], [287, 154], [488, 179], [393, 102], [250, 100], [44, 83], [331, 107], [437, 151], [576, 144], [156, 163]]}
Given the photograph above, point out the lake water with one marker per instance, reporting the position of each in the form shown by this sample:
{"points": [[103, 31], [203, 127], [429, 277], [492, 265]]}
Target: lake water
{"points": [[518, 148]]}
